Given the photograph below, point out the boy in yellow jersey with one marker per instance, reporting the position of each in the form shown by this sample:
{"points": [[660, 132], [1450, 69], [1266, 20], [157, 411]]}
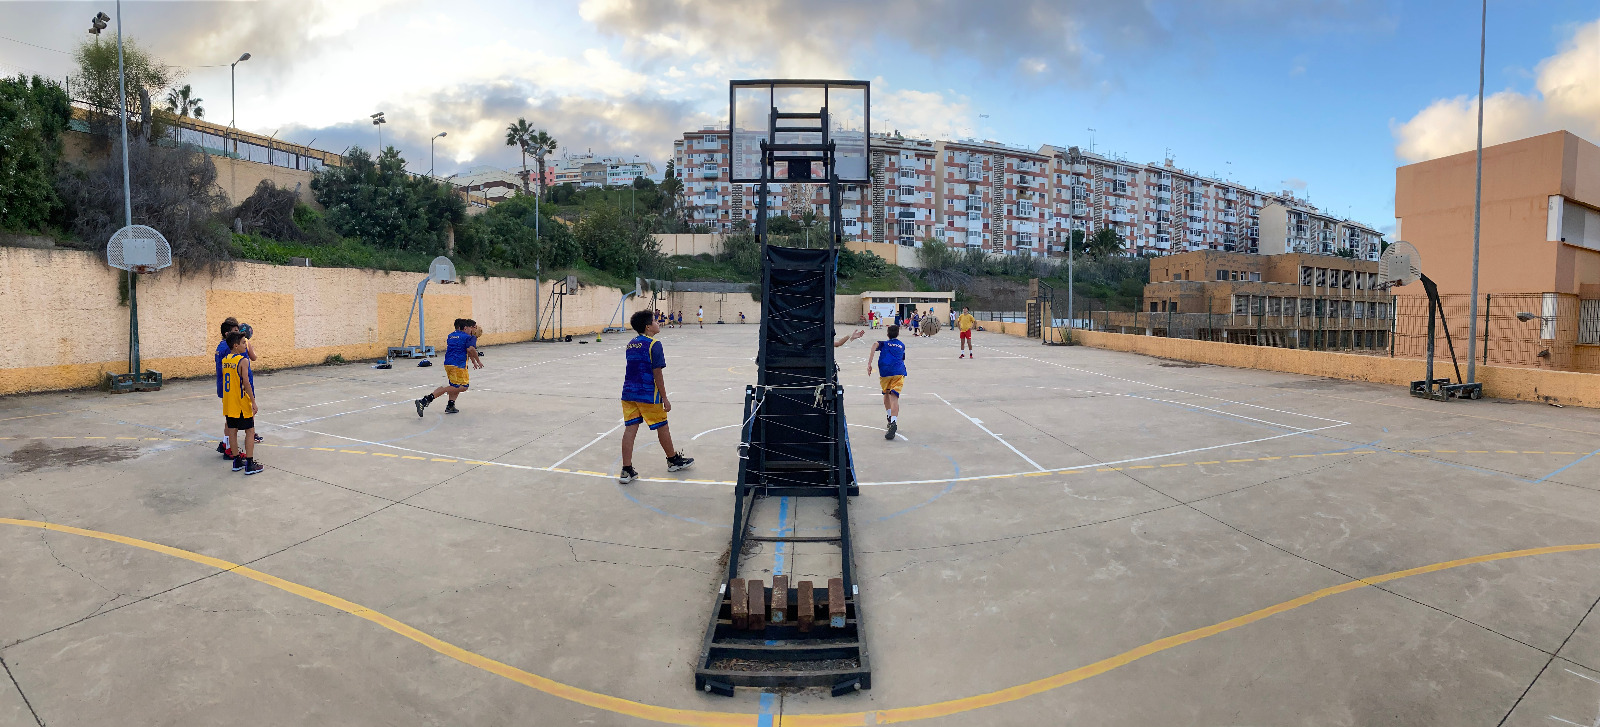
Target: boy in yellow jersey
{"points": [[239, 405], [965, 323]]}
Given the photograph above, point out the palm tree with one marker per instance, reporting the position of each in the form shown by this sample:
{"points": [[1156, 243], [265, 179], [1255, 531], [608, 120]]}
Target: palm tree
{"points": [[1104, 243], [517, 135], [539, 144], [180, 101]]}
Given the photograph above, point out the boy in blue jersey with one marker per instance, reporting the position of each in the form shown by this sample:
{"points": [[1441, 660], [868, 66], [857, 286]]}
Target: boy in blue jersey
{"points": [[891, 375], [460, 347], [229, 325], [644, 396]]}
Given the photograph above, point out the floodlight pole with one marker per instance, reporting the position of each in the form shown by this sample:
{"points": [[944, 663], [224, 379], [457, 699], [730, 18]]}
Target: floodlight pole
{"points": [[127, 203], [1477, 209]]}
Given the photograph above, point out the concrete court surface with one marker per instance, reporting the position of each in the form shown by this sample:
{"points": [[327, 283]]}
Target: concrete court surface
{"points": [[1062, 536]]}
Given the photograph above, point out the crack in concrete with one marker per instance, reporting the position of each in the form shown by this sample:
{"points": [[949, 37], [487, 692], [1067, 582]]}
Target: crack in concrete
{"points": [[25, 701]]}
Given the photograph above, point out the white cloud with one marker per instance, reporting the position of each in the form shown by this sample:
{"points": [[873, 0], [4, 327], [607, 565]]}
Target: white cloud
{"points": [[929, 114], [1566, 96]]}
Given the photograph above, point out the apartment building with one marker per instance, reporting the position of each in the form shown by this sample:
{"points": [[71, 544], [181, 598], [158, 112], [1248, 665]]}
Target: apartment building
{"points": [[588, 170], [1157, 209], [1016, 201], [992, 197], [900, 200]]}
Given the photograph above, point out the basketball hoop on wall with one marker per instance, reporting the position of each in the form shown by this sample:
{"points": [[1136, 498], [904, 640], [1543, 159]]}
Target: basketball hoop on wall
{"points": [[140, 250]]}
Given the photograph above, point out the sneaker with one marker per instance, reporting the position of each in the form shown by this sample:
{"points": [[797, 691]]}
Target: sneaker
{"points": [[421, 404], [628, 475], [893, 427], [238, 463], [224, 450], [678, 462], [451, 408], [260, 439], [251, 467], [962, 356]]}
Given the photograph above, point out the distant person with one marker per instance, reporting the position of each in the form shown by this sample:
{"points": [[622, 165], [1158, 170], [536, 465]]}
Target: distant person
{"points": [[966, 323], [741, 318], [700, 316], [460, 347], [916, 323], [644, 397], [229, 325], [891, 375], [239, 405]]}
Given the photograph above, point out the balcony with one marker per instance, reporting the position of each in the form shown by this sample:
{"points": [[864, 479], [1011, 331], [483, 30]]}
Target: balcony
{"points": [[974, 173], [710, 172]]}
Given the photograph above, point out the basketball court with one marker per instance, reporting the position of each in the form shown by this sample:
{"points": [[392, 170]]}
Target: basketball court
{"points": [[1061, 535]]}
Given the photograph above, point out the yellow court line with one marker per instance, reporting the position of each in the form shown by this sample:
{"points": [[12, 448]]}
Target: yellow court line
{"points": [[1215, 461], [699, 718], [31, 416]]}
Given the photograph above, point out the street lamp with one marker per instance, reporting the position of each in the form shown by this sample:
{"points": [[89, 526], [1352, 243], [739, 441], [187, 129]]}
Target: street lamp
{"points": [[97, 24], [379, 121], [233, 101], [430, 150], [1477, 207]]}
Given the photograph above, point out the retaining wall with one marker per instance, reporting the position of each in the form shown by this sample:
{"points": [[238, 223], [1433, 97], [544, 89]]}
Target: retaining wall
{"points": [[65, 328], [1556, 387]]}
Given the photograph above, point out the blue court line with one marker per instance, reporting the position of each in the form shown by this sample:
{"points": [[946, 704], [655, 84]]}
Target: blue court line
{"points": [[1568, 466], [783, 530], [769, 703]]}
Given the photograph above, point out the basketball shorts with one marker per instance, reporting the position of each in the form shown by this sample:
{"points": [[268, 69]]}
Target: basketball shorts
{"points": [[892, 384], [241, 422], [967, 334], [457, 376], [652, 415]]}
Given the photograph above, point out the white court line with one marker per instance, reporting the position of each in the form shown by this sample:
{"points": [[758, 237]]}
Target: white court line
{"points": [[590, 444], [1180, 391], [980, 425], [902, 437]]}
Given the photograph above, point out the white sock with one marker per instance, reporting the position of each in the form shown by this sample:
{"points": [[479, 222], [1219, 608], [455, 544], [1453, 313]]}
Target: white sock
{"points": [[888, 413], [894, 419]]}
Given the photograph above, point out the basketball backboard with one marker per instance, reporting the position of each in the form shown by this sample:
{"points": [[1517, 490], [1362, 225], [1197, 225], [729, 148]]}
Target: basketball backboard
{"points": [[799, 112]]}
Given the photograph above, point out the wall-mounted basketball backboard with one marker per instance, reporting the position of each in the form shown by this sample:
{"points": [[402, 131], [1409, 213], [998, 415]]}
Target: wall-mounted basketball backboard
{"points": [[806, 112]]}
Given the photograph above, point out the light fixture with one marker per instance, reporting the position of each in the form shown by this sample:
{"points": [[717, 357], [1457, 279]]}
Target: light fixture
{"points": [[98, 23], [1525, 317]]}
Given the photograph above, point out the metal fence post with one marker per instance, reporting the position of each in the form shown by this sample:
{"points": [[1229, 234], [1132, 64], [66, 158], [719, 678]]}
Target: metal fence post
{"points": [[1487, 299]]}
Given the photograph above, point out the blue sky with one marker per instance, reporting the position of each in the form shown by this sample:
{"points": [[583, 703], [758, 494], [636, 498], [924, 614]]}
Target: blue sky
{"points": [[1322, 96]]}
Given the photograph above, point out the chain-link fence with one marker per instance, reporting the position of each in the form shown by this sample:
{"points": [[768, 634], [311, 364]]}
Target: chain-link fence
{"points": [[1535, 330], [1526, 329]]}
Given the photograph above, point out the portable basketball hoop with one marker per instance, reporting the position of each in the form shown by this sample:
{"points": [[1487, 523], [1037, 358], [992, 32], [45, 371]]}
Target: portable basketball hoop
{"points": [[1400, 265], [794, 441], [440, 271], [140, 250]]}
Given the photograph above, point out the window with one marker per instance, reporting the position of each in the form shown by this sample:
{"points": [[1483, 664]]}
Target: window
{"points": [[1322, 277], [1255, 277], [1305, 275]]}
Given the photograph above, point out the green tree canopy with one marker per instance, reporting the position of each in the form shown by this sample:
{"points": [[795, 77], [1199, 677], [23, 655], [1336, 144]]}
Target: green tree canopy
{"points": [[504, 236], [33, 113], [376, 201]]}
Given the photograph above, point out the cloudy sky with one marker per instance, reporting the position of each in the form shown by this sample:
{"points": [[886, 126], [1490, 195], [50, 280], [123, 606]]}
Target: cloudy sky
{"points": [[1321, 96]]}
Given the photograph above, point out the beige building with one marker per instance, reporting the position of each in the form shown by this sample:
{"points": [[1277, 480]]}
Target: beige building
{"points": [[1294, 300], [1541, 217]]}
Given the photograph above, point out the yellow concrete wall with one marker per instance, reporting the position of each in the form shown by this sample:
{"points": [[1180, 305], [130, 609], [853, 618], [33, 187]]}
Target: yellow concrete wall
{"points": [[64, 328], [1561, 387], [688, 302], [689, 243], [238, 178], [901, 255]]}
